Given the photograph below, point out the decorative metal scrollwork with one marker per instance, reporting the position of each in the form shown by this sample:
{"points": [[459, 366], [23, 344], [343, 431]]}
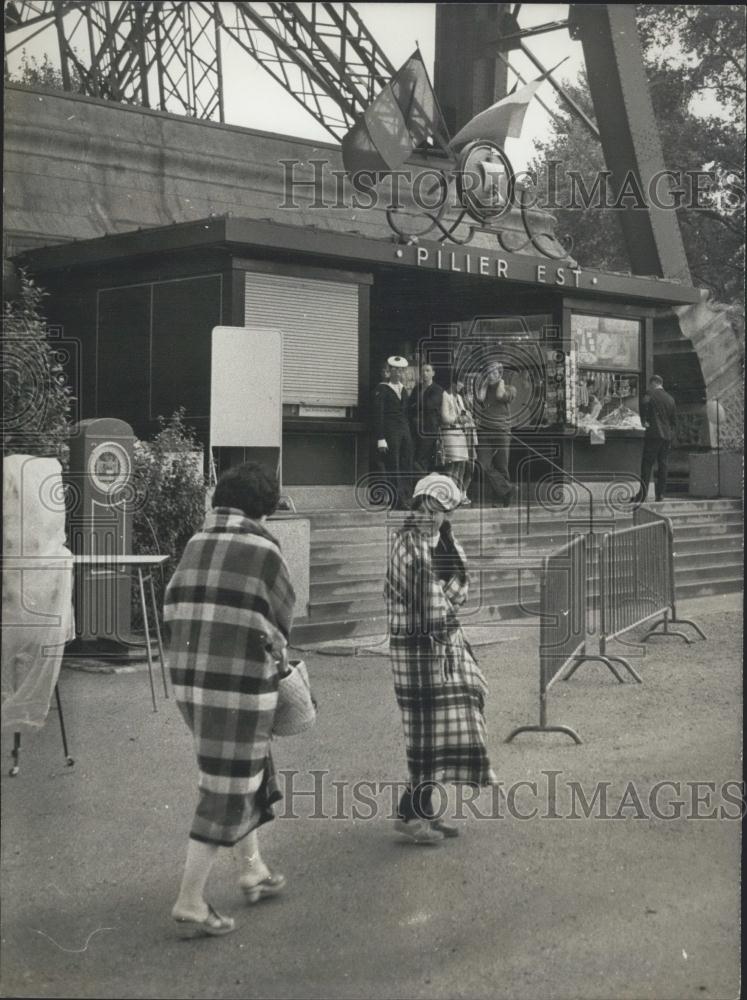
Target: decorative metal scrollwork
{"points": [[485, 189]]}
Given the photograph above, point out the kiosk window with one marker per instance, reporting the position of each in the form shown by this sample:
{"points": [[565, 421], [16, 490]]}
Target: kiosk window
{"points": [[319, 323]]}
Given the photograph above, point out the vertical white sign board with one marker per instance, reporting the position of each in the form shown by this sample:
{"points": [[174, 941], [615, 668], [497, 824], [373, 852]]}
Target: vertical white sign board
{"points": [[246, 388]]}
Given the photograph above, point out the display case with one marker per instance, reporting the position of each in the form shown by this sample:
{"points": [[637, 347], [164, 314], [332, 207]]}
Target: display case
{"points": [[608, 372]]}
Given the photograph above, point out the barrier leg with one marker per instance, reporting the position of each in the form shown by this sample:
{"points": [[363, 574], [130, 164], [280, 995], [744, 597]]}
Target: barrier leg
{"points": [[543, 727], [15, 754], [68, 759], [606, 660], [666, 631], [692, 624]]}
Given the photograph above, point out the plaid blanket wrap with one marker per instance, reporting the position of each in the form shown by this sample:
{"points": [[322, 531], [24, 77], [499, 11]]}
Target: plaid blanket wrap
{"points": [[439, 687], [228, 611]]}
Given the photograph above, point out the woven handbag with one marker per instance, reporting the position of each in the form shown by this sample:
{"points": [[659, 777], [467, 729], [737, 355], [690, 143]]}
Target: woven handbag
{"points": [[296, 708]]}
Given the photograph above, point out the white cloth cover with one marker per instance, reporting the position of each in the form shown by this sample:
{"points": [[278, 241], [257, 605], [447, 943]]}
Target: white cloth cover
{"points": [[37, 588]]}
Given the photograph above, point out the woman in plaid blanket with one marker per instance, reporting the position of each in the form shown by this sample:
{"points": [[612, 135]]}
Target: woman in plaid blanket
{"points": [[439, 687], [228, 610]]}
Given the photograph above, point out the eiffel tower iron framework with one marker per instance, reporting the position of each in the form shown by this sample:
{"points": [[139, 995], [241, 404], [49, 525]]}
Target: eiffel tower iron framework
{"points": [[167, 54]]}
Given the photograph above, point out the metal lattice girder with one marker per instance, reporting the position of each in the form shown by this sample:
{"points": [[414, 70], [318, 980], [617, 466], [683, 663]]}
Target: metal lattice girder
{"points": [[167, 54], [186, 54], [321, 53], [131, 51], [629, 133]]}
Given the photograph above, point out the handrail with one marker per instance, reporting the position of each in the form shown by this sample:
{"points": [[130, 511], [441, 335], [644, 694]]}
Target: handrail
{"points": [[570, 476]]}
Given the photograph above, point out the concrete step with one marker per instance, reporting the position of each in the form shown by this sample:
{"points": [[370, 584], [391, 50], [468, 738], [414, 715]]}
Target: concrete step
{"points": [[367, 569], [499, 581], [322, 630], [359, 517], [726, 542], [377, 553], [344, 536], [496, 586], [350, 551], [708, 531], [330, 561], [367, 534], [339, 573]]}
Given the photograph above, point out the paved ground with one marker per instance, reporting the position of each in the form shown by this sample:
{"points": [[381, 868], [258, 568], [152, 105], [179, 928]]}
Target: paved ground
{"points": [[636, 907]]}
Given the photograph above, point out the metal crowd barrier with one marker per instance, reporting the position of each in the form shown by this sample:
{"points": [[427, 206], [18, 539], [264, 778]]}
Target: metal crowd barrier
{"points": [[642, 516], [636, 584], [564, 593]]}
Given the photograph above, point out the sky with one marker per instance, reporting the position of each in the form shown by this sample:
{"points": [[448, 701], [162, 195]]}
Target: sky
{"points": [[398, 27], [253, 99]]}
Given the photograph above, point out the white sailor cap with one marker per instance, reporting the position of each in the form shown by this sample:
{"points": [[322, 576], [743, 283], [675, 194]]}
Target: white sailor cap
{"points": [[397, 362]]}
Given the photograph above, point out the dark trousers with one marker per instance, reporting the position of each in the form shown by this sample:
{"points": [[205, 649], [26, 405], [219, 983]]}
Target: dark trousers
{"points": [[492, 457], [655, 452], [425, 452], [416, 803], [398, 462]]}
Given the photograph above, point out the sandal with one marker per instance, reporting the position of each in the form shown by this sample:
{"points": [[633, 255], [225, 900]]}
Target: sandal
{"points": [[447, 829], [214, 925], [419, 831], [269, 886]]}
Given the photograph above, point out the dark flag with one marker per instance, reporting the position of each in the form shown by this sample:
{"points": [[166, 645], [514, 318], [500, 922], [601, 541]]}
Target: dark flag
{"points": [[403, 116]]}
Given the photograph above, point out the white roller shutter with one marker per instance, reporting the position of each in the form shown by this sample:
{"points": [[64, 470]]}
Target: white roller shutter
{"points": [[319, 322]]}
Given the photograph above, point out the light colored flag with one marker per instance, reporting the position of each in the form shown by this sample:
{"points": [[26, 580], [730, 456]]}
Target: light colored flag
{"points": [[502, 120]]}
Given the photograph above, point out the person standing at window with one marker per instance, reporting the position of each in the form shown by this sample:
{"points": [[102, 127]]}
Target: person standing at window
{"points": [[392, 429], [658, 416], [425, 418], [493, 405]]}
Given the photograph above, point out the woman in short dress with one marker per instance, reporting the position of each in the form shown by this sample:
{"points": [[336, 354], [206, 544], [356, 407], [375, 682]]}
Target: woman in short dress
{"points": [[439, 688], [454, 437]]}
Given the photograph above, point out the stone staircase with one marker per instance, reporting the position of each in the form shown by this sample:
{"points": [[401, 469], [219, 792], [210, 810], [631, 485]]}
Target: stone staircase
{"points": [[349, 552]]}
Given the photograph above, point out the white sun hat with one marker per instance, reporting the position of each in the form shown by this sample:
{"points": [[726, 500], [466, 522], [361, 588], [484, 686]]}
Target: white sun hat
{"points": [[440, 488]]}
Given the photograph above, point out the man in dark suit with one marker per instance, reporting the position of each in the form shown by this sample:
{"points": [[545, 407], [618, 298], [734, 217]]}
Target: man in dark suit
{"points": [[425, 415], [392, 429], [658, 415]]}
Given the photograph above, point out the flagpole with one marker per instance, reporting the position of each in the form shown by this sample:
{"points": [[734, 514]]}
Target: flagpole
{"points": [[445, 147], [569, 101], [520, 80]]}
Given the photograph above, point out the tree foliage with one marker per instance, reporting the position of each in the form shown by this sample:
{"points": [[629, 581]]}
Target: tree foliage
{"points": [[37, 399], [693, 54], [35, 72]]}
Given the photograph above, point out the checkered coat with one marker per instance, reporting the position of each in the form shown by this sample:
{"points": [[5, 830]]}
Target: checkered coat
{"points": [[440, 689], [228, 611]]}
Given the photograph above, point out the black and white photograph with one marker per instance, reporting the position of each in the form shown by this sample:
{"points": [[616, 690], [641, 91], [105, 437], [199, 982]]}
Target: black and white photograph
{"points": [[373, 436]]}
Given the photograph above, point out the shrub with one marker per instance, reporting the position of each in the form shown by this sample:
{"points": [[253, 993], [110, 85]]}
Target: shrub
{"points": [[171, 491], [37, 400]]}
